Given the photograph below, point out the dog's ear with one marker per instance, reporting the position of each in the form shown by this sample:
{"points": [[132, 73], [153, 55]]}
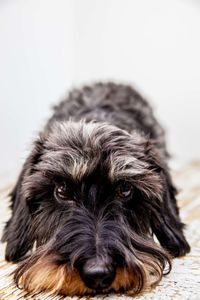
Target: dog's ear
{"points": [[165, 220], [17, 232]]}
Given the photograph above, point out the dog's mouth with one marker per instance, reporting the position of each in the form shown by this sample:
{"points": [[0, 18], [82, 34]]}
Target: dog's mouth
{"points": [[43, 271]]}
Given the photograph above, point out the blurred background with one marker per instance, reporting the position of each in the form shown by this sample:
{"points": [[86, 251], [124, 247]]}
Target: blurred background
{"points": [[48, 46]]}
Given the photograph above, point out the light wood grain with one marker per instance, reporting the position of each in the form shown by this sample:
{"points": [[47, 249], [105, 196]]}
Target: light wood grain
{"points": [[183, 283]]}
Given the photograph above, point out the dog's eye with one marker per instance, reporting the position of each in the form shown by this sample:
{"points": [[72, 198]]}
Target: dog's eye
{"points": [[124, 190], [61, 192]]}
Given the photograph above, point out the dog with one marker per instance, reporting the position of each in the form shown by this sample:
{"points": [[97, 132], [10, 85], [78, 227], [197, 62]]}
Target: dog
{"points": [[92, 195]]}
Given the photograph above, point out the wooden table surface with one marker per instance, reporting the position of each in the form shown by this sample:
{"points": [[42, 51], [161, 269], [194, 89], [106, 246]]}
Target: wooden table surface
{"points": [[184, 280]]}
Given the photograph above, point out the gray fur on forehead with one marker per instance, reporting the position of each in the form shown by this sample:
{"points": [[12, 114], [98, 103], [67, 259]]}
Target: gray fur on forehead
{"points": [[92, 134], [84, 145]]}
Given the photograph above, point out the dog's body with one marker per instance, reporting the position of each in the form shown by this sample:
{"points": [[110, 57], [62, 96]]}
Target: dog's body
{"points": [[94, 190]]}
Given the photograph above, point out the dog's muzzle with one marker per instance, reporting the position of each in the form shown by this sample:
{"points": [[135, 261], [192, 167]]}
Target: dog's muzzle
{"points": [[97, 274]]}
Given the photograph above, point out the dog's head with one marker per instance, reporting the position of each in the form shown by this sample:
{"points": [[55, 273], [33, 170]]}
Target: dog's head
{"points": [[88, 200]]}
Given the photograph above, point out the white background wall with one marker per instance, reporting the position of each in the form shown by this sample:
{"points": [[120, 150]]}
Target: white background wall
{"points": [[46, 46]]}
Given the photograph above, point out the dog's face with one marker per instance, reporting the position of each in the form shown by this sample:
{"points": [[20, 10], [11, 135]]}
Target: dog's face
{"points": [[89, 194]]}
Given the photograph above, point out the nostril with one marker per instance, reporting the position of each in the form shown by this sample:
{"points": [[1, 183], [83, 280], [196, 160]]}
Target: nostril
{"points": [[97, 275]]}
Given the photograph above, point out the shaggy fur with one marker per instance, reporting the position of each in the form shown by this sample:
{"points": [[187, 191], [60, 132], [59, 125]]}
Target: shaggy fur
{"points": [[93, 192]]}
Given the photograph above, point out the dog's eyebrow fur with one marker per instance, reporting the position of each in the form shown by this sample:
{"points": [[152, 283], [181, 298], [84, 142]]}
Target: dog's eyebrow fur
{"points": [[125, 165], [75, 168]]}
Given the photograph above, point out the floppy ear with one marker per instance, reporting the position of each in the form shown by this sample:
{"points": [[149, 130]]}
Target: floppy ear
{"points": [[165, 221], [17, 230]]}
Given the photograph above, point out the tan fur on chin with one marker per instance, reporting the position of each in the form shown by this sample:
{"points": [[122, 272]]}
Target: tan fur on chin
{"points": [[46, 275], [126, 281]]}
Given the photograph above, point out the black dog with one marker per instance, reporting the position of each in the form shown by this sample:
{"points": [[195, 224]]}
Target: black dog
{"points": [[90, 197]]}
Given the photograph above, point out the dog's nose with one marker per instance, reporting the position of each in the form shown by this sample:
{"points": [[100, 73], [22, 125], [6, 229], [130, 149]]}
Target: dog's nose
{"points": [[97, 275]]}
